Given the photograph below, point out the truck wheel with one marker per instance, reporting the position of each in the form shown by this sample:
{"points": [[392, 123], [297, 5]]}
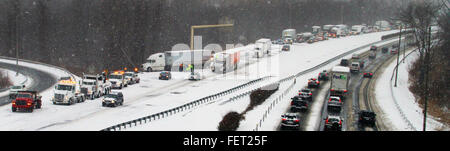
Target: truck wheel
{"points": [[54, 103], [121, 86], [149, 69], [14, 109]]}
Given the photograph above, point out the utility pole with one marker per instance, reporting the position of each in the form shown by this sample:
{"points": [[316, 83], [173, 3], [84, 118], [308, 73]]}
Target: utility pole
{"points": [[398, 55], [427, 64]]}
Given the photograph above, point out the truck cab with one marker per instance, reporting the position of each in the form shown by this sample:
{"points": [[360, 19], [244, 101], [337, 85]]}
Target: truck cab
{"points": [[67, 92], [355, 66], [91, 87], [26, 100], [117, 80], [155, 62]]}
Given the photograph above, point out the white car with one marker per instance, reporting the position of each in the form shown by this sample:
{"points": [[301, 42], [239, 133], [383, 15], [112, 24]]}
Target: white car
{"points": [[194, 76], [14, 89]]}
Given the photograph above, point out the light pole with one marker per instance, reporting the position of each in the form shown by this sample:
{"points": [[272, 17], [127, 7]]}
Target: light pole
{"points": [[398, 55]]}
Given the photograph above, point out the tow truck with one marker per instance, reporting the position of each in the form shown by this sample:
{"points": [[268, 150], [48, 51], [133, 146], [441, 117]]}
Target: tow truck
{"points": [[118, 80], [67, 92], [26, 100]]}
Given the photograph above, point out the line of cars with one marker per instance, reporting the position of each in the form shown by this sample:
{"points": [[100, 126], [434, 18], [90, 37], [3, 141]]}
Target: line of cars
{"points": [[300, 102]]}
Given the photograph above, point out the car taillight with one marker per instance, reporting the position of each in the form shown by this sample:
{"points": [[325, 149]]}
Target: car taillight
{"points": [[310, 93], [326, 121], [296, 121], [345, 91], [340, 101], [340, 122], [292, 102], [332, 90], [365, 73], [299, 93], [283, 119], [317, 82], [371, 73]]}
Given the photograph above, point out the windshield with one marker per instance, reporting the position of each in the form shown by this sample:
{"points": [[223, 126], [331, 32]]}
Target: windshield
{"points": [[64, 87], [163, 73], [306, 91], [289, 116], [128, 74], [23, 95], [88, 83], [333, 120], [355, 65], [111, 96], [91, 78], [16, 87], [115, 76]]}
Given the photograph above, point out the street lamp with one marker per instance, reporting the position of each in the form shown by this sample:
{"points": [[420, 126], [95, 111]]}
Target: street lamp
{"points": [[17, 40]]}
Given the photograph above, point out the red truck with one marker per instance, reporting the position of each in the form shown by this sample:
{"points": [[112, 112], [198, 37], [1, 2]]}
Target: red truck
{"points": [[26, 100]]}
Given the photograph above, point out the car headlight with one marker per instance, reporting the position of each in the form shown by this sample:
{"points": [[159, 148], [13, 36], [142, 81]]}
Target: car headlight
{"points": [[112, 101], [103, 100], [89, 91], [66, 97]]}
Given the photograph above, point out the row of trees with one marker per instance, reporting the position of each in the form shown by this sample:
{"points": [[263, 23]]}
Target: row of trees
{"points": [[92, 35], [429, 74]]}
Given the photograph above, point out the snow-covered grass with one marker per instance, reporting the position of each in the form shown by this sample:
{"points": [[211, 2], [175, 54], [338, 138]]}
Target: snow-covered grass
{"points": [[15, 79], [407, 115]]}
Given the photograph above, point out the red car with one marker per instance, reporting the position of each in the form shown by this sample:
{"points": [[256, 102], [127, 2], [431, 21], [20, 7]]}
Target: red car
{"points": [[368, 75], [26, 100], [313, 82]]}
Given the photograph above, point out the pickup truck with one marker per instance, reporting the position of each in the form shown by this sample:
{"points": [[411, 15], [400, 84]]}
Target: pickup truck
{"points": [[26, 100]]}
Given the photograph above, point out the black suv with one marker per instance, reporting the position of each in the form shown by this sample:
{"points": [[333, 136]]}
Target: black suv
{"points": [[373, 48], [165, 75], [384, 49], [344, 62], [323, 75], [113, 99], [290, 120], [333, 123], [313, 83], [334, 104], [366, 118], [299, 104], [305, 93]]}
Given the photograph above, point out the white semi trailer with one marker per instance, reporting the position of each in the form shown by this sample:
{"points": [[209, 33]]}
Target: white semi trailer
{"points": [[176, 60], [226, 61], [262, 46]]}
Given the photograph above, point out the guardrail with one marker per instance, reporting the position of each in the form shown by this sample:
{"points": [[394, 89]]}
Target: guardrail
{"points": [[207, 99], [184, 107]]}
